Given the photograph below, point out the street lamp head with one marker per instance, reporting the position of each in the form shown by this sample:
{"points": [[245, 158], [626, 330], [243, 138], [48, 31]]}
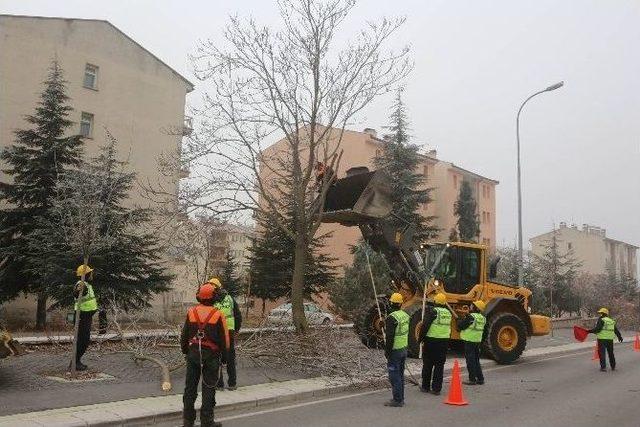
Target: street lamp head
{"points": [[555, 86]]}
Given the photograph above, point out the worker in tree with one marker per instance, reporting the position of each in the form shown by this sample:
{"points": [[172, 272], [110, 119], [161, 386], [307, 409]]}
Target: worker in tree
{"points": [[397, 340], [435, 334], [471, 329], [87, 303], [232, 314], [324, 172], [606, 330], [204, 341]]}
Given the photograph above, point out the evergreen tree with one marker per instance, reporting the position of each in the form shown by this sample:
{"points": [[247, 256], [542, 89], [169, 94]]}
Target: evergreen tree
{"points": [[353, 295], [507, 272], [400, 159], [128, 269], [229, 278], [33, 164], [556, 271], [465, 209], [271, 263]]}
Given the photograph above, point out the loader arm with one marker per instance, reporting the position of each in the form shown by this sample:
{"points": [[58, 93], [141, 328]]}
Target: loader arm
{"points": [[363, 199]]}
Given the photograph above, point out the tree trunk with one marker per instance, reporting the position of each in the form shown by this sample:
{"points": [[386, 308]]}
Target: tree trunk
{"points": [[297, 284], [41, 312]]}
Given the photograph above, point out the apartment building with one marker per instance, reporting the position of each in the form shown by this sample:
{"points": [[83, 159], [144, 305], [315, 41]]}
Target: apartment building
{"points": [[592, 248], [113, 82], [445, 178]]}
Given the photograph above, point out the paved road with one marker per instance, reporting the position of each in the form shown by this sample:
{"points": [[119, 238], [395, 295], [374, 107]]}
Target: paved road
{"points": [[564, 390]]}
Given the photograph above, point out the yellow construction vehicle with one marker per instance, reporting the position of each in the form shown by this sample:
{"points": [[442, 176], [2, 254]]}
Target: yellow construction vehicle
{"points": [[8, 346], [420, 270]]}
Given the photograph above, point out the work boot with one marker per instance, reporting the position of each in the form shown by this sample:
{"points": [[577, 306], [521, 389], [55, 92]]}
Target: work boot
{"points": [[187, 422], [480, 382], [394, 404], [435, 392], [424, 390], [470, 382], [232, 387], [603, 369]]}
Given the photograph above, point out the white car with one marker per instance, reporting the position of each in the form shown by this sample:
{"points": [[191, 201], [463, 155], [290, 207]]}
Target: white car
{"points": [[281, 315]]}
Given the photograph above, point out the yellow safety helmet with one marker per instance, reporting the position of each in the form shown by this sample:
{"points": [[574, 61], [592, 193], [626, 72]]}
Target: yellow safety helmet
{"points": [[480, 305], [83, 269], [215, 282], [440, 299], [603, 311], [396, 298]]}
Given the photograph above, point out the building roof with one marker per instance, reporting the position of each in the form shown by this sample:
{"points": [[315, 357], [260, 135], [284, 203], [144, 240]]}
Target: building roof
{"points": [[620, 242], [103, 21]]}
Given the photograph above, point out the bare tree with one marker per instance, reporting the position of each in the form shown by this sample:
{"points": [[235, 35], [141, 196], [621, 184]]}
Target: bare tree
{"points": [[291, 83]]}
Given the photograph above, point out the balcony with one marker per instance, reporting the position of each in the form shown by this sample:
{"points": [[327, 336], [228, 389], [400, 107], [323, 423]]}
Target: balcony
{"points": [[187, 127]]}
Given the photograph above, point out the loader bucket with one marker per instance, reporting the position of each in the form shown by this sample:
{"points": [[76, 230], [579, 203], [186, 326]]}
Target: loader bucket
{"points": [[358, 198]]}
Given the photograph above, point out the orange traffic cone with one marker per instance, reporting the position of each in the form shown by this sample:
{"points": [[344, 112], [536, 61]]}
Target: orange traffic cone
{"points": [[636, 343], [455, 390], [596, 353]]}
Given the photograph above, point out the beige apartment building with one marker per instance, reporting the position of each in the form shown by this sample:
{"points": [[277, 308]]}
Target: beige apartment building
{"points": [[113, 83], [591, 247], [445, 178]]}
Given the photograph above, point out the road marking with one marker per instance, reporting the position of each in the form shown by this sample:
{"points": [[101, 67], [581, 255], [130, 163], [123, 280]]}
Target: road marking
{"points": [[299, 405], [349, 396]]}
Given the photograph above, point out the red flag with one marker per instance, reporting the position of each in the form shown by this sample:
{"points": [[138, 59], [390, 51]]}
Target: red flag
{"points": [[580, 333]]}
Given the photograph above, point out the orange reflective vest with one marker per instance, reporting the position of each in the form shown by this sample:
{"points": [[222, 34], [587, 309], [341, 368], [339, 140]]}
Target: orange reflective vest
{"points": [[201, 316]]}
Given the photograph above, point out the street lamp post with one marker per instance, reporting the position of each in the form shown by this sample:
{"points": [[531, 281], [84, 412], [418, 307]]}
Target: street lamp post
{"points": [[520, 258]]}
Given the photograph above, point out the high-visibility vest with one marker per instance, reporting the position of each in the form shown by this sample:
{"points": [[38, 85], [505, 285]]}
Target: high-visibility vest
{"points": [[226, 307], [401, 336], [608, 329], [441, 325], [474, 332], [87, 302], [201, 316]]}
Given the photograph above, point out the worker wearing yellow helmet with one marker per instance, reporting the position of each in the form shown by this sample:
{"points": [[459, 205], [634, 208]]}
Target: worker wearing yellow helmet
{"points": [[606, 330], [435, 334], [86, 305], [395, 350], [471, 328], [227, 305]]}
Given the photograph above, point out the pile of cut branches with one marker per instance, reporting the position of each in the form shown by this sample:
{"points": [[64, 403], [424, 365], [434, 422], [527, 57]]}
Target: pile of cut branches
{"points": [[323, 351]]}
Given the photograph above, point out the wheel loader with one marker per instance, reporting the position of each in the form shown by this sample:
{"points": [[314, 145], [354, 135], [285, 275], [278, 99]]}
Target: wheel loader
{"points": [[419, 270]]}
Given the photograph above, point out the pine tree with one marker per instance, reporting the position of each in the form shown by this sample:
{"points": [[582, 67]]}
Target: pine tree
{"points": [[33, 163], [128, 268], [271, 264], [400, 159], [556, 271], [465, 209], [229, 278], [352, 296]]}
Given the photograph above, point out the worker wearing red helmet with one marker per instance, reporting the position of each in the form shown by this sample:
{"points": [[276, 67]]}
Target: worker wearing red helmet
{"points": [[205, 342]]}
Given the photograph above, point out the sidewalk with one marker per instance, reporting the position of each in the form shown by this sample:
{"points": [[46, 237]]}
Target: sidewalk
{"points": [[164, 408]]}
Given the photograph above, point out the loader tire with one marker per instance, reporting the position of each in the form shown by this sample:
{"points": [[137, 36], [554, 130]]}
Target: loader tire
{"points": [[370, 326], [415, 324], [505, 338]]}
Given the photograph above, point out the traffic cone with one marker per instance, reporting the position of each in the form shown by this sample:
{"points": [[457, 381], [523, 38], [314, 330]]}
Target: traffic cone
{"points": [[636, 343], [455, 390], [596, 353]]}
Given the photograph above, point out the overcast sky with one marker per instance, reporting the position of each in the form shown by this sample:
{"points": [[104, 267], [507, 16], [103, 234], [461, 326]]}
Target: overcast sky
{"points": [[475, 63]]}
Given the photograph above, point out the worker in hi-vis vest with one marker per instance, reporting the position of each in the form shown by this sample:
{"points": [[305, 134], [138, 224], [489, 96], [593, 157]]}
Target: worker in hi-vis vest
{"points": [[232, 314], [397, 340], [435, 334], [471, 329], [88, 305], [606, 330]]}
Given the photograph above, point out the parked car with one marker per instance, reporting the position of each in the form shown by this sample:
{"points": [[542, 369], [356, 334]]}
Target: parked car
{"points": [[281, 315]]}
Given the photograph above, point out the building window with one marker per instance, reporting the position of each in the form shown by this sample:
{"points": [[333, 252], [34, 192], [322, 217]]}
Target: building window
{"points": [[570, 245], [86, 125], [91, 76], [488, 217]]}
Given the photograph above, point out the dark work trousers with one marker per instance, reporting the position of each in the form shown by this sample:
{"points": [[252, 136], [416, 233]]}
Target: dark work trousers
{"points": [[434, 354], [210, 368], [84, 333], [472, 355], [231, 363], [395, 366], [608, 346]]}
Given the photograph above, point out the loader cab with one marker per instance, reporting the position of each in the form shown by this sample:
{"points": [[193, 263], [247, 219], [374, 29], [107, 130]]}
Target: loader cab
{"points": [[460, 268]]}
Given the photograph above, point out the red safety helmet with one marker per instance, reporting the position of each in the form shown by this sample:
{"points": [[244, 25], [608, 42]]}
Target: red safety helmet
{"points": [[206, 292]]}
